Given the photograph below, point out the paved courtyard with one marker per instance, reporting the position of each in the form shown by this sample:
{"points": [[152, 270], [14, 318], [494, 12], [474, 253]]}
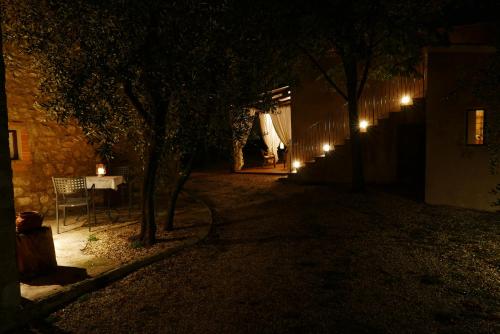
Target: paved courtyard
{"points": [[287, 258]]}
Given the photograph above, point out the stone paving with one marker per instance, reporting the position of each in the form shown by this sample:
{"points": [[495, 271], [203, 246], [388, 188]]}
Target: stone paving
{"points": [[76, 263]]}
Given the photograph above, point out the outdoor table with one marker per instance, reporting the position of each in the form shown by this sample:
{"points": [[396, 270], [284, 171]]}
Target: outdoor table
{"points": [[106, 182]]}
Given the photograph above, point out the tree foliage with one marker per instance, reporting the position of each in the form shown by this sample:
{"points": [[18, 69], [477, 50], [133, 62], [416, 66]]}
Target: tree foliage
{"points": [[168, 75]]}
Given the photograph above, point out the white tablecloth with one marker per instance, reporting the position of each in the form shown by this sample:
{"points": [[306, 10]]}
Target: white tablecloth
{"points": [[104, 182]]}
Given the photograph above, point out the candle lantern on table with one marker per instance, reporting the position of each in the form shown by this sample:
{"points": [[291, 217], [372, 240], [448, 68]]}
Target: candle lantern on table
{"points": [[100, 169]]}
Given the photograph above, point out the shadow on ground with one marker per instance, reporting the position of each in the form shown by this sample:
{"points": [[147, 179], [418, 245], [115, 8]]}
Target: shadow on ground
{"points": [[62, 275]]}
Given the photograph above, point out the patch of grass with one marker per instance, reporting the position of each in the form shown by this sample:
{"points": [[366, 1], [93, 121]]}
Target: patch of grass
{"points": [[430, 279], [92, 237], [317, 230], [83, 298], [445, 316], [333, 279], [136, 244], [52, 319], [392, 280], [307, 263]]}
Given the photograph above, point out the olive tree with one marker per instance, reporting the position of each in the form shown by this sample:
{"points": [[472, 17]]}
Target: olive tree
{"points": [[162, 73]]}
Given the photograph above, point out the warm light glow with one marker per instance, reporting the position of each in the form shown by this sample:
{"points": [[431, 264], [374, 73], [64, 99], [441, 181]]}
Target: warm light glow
{"points": [[479, 127], [326, 148], [296, 164], [282, 146], [363, 125], [475, 127], [100, 169], [406, 100]]}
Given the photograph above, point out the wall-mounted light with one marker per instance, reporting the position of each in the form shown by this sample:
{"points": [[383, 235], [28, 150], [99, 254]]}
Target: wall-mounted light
{"points": [[100, 169], [326, 148], [363, 125], [406, 100], [296, 165]]}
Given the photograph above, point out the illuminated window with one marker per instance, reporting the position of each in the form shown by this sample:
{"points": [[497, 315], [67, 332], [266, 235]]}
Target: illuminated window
{"points": [[475, 127], [13, 145]]}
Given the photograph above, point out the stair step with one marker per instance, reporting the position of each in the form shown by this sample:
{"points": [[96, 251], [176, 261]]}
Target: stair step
{"points": [[335, 163]]}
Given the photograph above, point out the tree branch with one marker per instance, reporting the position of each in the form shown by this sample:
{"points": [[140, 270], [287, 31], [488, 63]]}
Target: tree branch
{"points": [[366, 69], [322, 70], [364, 76], [136, 103]]}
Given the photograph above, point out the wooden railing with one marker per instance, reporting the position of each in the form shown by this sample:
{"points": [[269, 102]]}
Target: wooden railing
{"points": [[332, 131], [378, 100], [382, 98]]}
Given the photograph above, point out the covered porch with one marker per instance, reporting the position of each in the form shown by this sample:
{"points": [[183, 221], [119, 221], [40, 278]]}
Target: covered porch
{"points": [[264, 146]]}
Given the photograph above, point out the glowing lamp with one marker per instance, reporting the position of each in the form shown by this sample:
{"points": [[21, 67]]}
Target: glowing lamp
{"points": [[406, 100], [100, 169], [363, 125], [282, 146], [296, 164], [326, 148]]}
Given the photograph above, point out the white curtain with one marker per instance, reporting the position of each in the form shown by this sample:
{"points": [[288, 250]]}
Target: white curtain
{"points": [[282, 121], [269, 134], [239, 143]]}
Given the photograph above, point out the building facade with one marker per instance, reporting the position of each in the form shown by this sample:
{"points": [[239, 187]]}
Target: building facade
{"points": [[40, 146], [426, 133]]}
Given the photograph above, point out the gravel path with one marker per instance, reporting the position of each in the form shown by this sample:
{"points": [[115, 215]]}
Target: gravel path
{"points": [[301, 259]]}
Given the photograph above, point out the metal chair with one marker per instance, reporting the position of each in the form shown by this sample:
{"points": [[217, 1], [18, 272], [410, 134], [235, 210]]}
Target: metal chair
{"points": [[268, 158], [72, 192], [127, 178]]}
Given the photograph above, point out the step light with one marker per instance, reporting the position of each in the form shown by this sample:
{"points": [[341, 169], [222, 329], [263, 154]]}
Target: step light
{"points": [[363, 125], [296, 165], [406, 100]]}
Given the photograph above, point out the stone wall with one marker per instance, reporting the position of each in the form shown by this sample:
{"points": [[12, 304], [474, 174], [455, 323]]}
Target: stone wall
{"points": [[46, 148]]}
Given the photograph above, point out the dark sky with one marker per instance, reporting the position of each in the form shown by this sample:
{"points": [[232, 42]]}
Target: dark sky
{"points": [[472, 11]]}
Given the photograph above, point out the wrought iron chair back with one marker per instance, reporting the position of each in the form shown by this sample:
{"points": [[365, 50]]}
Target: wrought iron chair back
{"points": [[70, 185], [72, 192]]}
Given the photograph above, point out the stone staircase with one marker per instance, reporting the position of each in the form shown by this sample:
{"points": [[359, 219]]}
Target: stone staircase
{"points": [[391, 149]]}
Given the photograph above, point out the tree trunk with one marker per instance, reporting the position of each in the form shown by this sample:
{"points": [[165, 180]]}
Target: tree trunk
{"points": [[172, 201], [148, 224], [358, 178], [176, 189], [156, 146], [9, 286]]}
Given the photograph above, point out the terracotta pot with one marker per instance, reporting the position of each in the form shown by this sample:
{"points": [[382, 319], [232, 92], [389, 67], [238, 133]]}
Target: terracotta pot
{"points": [[28, 221]]}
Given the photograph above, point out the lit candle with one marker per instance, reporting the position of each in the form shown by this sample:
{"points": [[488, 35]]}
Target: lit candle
{"points": [[101, 169]]}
